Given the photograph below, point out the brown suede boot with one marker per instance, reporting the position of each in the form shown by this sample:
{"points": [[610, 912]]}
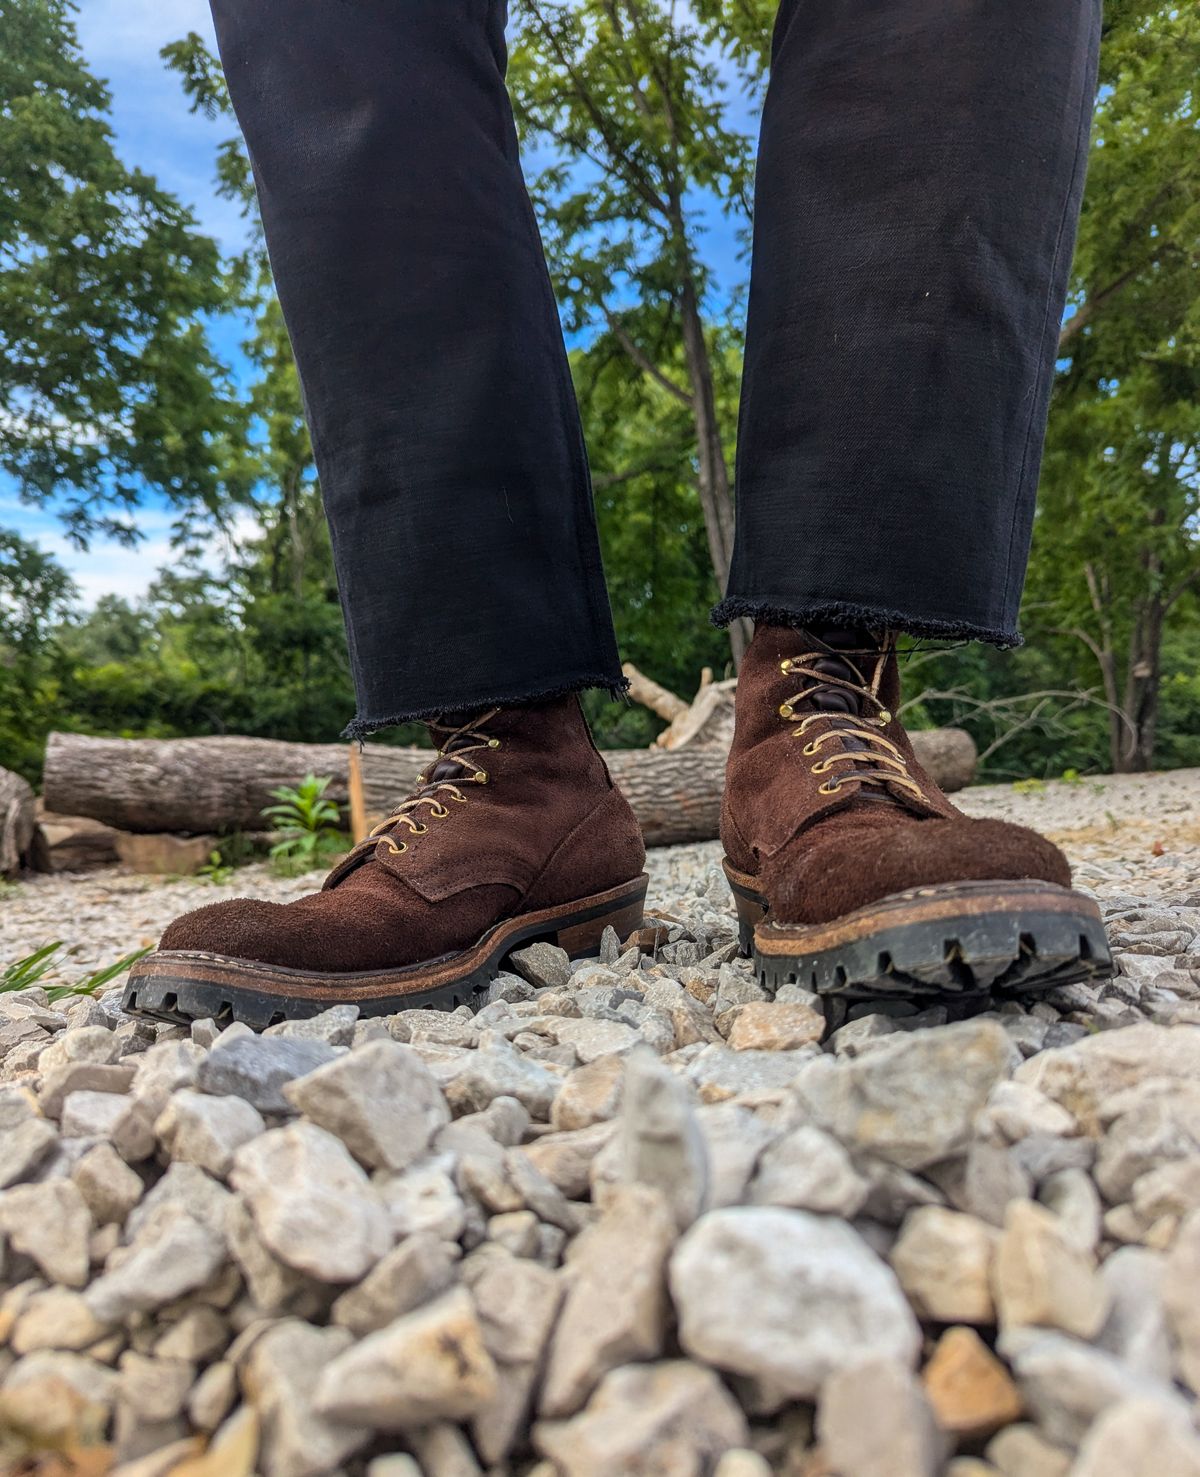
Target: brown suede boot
{"points": [[516, 832], [853, 874]]}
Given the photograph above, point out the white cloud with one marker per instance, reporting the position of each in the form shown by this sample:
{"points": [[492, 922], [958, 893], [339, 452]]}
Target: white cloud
{"points": [[125, 32], [121, 41], [109, 568]]}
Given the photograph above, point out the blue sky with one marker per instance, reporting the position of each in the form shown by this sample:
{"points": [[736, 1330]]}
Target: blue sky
{"points": [[121, 40]]}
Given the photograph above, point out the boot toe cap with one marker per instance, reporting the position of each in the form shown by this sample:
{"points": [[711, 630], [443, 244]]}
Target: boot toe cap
{"points": [[815, 879], [243, 928]]}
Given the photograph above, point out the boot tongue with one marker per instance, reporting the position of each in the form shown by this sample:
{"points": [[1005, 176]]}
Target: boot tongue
{"points": [[838, 701], [448, 768]]}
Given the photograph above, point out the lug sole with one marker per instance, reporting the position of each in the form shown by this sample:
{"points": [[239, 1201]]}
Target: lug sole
{"points": [[965, 942], [181, 986]]}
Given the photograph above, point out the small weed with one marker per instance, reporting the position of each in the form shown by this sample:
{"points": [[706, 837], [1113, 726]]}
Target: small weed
{"points": [[215, 870], [23, 973], [1030, 786], [308, 824]]}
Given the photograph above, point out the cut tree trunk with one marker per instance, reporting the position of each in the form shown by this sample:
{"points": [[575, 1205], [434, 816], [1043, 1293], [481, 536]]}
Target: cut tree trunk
{"points": [[16, 821], [217, 785]]}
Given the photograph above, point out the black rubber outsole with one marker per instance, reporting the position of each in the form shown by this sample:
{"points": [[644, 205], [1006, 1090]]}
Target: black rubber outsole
{"points": [[180, 1000], [988, 956]]}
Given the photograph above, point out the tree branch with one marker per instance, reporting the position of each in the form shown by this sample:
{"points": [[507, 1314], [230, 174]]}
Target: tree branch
{"points": [[644, 363]]}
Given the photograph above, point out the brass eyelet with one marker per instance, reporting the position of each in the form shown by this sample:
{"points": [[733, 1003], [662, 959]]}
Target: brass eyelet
{"points": [[419, 829], [830, 787], [821, 767], [421, 780], [481, 777], [439, 812], [883, 717], [493, 743], [461, 799], [786, 664], [810, 748], [395, 847], [785, 710]]}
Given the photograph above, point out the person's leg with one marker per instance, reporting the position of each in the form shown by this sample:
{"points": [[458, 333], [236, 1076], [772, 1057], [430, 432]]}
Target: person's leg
{"points": [[453, 472], [414, 288], [919, 181]]}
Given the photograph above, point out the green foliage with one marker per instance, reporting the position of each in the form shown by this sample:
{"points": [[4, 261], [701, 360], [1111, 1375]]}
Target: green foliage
{"points": [[639, 112], [1117, 546], [107, 380], [215, 870], [645, 134], [308, 823], [24, 973]]}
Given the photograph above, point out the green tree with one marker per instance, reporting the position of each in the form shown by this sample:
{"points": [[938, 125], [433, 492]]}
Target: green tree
{"points": [[629, 96], [660, 577], [1117, 544], [108, 384], [36, 597]]}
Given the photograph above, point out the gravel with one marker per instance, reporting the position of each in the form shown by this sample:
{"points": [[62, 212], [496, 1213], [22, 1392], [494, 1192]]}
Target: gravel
{"points": [[632, 1217]]}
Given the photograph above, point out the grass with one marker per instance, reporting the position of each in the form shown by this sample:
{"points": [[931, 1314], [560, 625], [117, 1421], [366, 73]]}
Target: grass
{"points": [[23, 973]]}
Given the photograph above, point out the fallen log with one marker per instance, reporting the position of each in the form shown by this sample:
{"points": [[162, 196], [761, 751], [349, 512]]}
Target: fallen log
{"points": [[16, 821], [221, 784]]}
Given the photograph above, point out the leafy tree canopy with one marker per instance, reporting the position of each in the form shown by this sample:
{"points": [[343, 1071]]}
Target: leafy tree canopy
{"points": [[108, 384]]}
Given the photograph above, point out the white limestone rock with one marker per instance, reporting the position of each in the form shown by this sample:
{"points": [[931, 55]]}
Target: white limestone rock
{"points": [[807, 1169], [615, 1306], [207, 1131], [282, 1372], [381, 1101], [429, 1365], [670, 1418], [313, 1206], [51, 1224], [786, 1297], [422, 1267], [1041, 1277], [914, 1099], [874, 1420], [177, 1259], [944, 1262]]}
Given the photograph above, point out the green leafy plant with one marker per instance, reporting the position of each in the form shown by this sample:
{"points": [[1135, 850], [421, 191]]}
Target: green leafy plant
{"points": [[1031, 786], [21, 974], [215, 870], [309, 826]]}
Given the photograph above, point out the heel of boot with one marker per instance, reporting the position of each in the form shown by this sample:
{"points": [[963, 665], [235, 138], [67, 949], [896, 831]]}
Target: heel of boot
{"points": [[624, 914], [751, 908]]}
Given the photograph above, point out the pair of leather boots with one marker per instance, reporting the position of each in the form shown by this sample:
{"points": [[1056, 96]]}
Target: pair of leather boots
{"points": [[852, 873]]}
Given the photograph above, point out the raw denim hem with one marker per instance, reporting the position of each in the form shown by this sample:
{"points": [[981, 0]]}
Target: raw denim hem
{"points": [[361, 728], [845, 612]]}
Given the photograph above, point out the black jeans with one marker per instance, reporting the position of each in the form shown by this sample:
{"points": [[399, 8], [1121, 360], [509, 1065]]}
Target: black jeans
{"points": [[919, 178]]}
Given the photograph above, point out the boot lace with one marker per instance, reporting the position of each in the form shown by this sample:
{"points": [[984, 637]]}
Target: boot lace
{"points": [[831, 670], [440, 781]]}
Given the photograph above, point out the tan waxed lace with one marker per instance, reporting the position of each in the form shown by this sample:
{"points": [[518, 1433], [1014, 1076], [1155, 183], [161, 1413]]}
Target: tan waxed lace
{"points": [[430, 791], [880, 750]]}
